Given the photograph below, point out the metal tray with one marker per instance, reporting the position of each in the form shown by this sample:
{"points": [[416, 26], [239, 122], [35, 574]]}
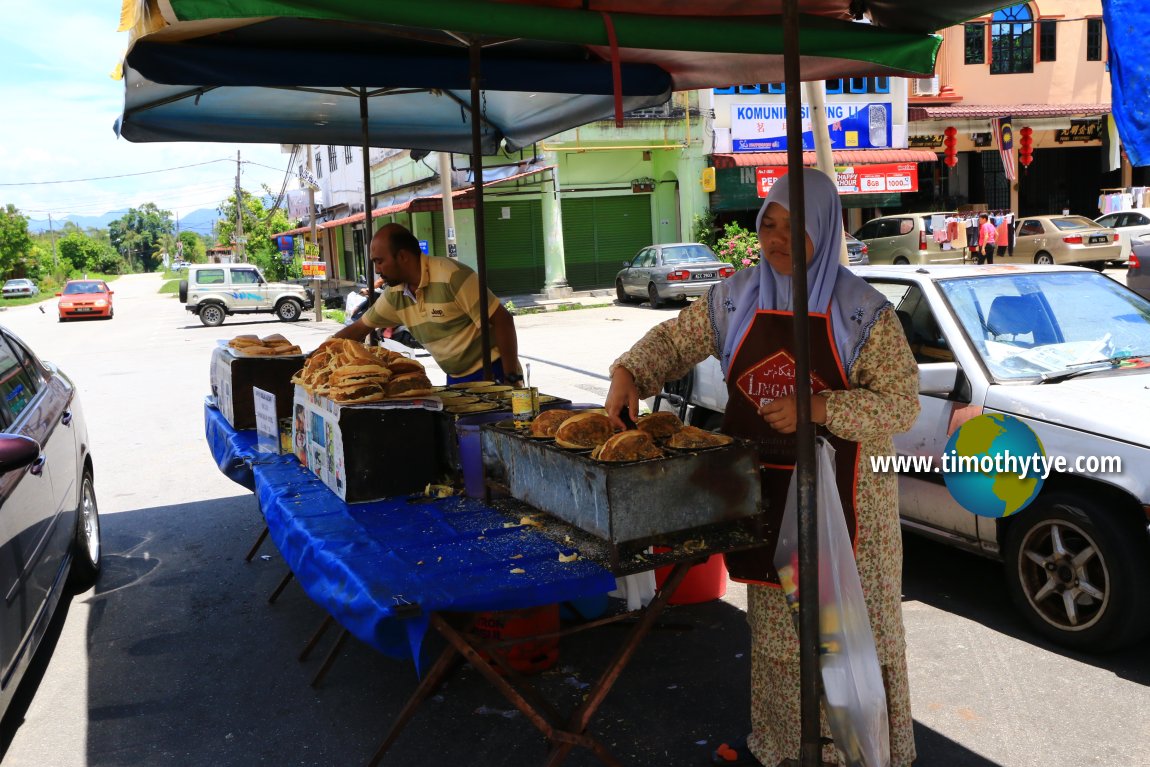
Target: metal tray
{"points": [[628, 502]]}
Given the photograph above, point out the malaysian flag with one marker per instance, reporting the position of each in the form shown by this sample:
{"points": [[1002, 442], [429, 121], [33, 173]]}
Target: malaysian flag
{"points": [[1004, 135]]}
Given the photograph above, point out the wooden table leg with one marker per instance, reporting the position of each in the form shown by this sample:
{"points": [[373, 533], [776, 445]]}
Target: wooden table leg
{"points": [[582, 715], [319, 632], [279, 589], [256, 546], [435, 676]]}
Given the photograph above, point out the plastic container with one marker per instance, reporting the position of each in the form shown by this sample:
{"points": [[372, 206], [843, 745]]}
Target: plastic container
{"points": [[471, 449], [704, 582], [532, 655], [584, 608]]}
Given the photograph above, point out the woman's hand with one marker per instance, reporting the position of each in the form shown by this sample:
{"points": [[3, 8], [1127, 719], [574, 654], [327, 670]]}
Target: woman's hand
{"points": [[622, 394], [782, 414]]}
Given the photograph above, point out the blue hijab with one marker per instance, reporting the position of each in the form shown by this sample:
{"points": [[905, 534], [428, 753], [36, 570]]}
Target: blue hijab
{"points": [[852, 305]]}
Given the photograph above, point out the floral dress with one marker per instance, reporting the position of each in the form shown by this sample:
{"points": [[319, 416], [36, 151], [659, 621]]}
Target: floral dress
{"points": [[882, 402]]}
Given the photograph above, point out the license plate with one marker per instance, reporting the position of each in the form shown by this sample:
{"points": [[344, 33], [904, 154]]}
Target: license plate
{"points": [[82, 309], [1098, 239], [703, 276]]}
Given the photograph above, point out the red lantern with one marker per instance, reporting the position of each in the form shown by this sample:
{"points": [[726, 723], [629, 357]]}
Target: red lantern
{"points": [[950, 143], [1025, 142]]}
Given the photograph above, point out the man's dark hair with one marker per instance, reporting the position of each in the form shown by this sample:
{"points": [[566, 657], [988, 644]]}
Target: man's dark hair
{"points": [[401, 239], [980, 215]]}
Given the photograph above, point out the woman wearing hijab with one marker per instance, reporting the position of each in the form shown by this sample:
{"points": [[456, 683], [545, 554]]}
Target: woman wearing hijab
{"points": [[865, 385]]}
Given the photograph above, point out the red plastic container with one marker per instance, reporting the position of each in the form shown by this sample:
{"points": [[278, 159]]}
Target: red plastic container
{"points": [[532, 655], [704, 582]]}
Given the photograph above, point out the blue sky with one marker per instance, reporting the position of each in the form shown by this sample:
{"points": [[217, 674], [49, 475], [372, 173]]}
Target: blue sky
{"points": [[60, 102]]}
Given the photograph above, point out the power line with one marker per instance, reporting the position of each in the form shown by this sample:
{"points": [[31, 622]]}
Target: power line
{"points": [[122, 175]]}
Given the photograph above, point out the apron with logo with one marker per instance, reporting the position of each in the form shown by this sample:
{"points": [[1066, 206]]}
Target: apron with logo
{"points": [[763, 369]]}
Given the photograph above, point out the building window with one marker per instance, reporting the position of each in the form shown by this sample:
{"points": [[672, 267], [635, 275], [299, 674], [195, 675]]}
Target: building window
{"points": [[750, 90], [975, 43], [331, 162], [725, 91], [347, 155], [776, 87], [859, 84], [1094, 39], [1012, 41], [1047, 40], [882, 85], [319, 164], [834, 87]]}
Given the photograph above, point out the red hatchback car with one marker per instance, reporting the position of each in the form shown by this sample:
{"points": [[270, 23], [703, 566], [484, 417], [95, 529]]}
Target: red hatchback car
{"points": [[85, 298]]}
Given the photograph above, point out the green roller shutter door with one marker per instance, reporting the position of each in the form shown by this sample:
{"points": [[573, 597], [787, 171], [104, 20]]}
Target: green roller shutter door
{"points": [[514, 247], [600, 233]]}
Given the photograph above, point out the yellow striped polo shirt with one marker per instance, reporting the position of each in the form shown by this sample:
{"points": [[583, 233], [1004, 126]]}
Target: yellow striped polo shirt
{"points": [[442, 314]]}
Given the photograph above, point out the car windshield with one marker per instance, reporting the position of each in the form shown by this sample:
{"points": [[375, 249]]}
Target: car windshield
{"points": [[687, 254], [16, 284], [1025, 326], [1073, 222], [73, 288]]}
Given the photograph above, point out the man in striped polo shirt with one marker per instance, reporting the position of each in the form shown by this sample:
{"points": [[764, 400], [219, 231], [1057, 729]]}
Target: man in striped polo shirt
{"points": [[437, 300]]}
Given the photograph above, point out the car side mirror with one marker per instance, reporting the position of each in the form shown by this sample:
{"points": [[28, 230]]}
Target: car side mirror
{"points": [[17, 452], [59, 293], [111, 292], [937, 377]]}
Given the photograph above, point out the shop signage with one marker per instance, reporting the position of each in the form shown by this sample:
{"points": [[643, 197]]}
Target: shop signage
{"points": [[925, 142], [854, 179], [1080, 130], [267, 422], [317, 270], [311, 248], [763, 127], [307, 180]]}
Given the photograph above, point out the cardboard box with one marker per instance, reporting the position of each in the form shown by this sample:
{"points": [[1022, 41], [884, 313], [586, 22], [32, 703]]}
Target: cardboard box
{"points": [[233, 377], [370, 451]]}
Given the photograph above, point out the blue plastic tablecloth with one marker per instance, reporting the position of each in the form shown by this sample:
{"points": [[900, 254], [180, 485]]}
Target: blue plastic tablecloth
{"points": [[381, 568]]}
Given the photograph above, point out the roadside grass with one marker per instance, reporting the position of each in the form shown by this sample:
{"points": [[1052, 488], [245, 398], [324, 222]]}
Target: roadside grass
{"points": [[517, 311], [170, 286]]}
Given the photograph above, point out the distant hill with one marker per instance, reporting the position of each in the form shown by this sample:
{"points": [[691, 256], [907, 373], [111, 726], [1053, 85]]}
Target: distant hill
{"points": [[199, 221]]}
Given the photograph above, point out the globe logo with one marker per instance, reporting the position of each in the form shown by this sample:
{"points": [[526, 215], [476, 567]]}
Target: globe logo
{"points": [[993, 465]]}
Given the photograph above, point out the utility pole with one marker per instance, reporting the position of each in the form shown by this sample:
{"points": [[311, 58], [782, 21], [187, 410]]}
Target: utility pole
{"points": [[239, 214], [314, 237], [52, 231]]}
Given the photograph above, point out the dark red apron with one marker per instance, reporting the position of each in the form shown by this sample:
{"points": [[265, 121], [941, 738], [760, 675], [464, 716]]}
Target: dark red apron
{"points": [[763, 369]]}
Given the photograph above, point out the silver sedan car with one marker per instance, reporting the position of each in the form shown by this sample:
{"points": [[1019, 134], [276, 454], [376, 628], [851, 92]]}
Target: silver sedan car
{"points": [[20, 287], [671, 272]]}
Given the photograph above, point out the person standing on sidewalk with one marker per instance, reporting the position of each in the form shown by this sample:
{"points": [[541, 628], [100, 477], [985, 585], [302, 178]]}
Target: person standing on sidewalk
{"points": [[987, 237]]}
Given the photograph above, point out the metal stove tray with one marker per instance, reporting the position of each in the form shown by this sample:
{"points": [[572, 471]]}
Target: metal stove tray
{"points": [[626, 502]]}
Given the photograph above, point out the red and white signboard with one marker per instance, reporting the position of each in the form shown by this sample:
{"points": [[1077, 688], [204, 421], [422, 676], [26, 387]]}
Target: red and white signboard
{"points": [[854, 179]]}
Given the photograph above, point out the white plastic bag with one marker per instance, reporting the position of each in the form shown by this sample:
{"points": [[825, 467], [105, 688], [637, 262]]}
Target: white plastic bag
{"points": [[855, 698]]}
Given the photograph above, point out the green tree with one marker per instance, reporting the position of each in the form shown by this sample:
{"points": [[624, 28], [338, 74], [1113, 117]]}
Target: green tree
{"points": [[15, 241], [81, 254], [137, 235], [259, 226], [195, 250]]}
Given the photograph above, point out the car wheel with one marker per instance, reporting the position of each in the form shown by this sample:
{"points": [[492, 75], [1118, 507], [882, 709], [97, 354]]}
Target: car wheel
{"points": [[183, 291], [901, 261], [1042, 257], [289, 310], [653, 296], [620, 293], [212, 315], [86, 539], [1079, 573]]}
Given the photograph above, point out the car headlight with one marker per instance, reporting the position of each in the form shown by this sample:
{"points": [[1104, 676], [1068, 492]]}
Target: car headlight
{"points": [[101, 302], [65, 304]]}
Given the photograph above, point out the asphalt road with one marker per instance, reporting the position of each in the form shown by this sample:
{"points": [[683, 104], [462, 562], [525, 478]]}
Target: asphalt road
{"points": [[176, 658]]}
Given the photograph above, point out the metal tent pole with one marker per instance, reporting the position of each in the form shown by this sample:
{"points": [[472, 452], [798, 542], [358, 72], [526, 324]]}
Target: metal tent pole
{"points": [[809, 682], [367, 221], [477, 180]]}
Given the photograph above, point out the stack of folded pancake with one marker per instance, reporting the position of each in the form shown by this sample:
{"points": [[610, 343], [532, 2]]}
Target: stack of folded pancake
{"points": [[348, 372], [274, 345]]}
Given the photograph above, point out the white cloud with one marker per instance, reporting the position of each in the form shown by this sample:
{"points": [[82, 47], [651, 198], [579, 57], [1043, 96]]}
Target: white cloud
{"points": [[59, 104]]}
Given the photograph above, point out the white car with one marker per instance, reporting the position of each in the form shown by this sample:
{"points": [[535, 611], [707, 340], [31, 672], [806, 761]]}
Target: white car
{"points": [[20, 287], [1129, 224], [1066, 350]]}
